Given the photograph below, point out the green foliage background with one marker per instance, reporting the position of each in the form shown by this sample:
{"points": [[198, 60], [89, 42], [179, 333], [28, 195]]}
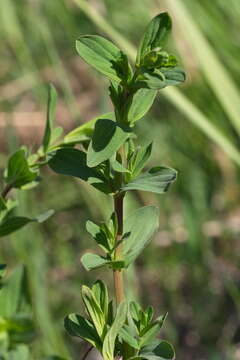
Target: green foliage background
{"points": [[191, 268]]}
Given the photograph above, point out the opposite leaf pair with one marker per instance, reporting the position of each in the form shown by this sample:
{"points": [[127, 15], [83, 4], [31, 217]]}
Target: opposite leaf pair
{"points": [[131, 326]]}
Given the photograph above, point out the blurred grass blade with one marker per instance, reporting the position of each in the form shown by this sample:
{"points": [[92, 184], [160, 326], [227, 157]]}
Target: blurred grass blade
{"points": [[174, 95], [217, 75]]}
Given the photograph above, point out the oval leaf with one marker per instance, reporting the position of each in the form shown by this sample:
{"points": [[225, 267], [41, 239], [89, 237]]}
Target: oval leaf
{"points": [[100, 53], [139, 226], [93, 261], [107, 138], [156, 180], [73, 162], [141, 102]]}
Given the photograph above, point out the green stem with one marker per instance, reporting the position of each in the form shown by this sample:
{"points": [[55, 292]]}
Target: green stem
{"points": [[118, 274]]}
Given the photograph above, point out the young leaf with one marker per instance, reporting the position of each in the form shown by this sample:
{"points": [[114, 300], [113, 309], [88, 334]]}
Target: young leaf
{"points": [[141, 225], [18, 171], [101, 54], [174, 76], [126, 334], [156, 180], [51, 109], [93, 261], [73, 162], [110, 338], [94, 311], [100, 292], [161, 351], [139, 104], [10, 293], [99, 235], [107, 138], [76, 325], [154, 80], [140, 158], [84, 132], [151, 331], [155, 35], [14, 223]]}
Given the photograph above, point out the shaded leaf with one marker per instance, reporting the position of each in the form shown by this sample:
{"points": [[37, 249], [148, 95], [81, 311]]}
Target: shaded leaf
{"points": [[73, 162], [107, 138], [14, 223], [3, 205], [161, 351], [141, 225], [84, 132], [156, 180], [76, 325], [99, 235], [94, 311]]}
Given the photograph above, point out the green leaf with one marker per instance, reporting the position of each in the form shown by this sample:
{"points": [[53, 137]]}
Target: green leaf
{"points": [[94, 311], [154, 80], [155, 35], [140, 158], [99, 235], [11, 292], [76, 325], [139, 104], [84, 132], [156, 180], [73, 162], [101, 54], [93, 261], [110, 338], [51, 109], [116, 166], [14, 223], [126, 335], [107, 138], [100, 292], [151, 331], [174, 76], [18, 171], [140, 225], [162, 351], [3, 205]]}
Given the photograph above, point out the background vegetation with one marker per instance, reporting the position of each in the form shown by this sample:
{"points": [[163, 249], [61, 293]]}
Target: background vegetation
{"points": [[191, 269]]}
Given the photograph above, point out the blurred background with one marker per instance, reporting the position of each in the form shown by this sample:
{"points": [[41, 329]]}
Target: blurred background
{"points": [[191, 269]]}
